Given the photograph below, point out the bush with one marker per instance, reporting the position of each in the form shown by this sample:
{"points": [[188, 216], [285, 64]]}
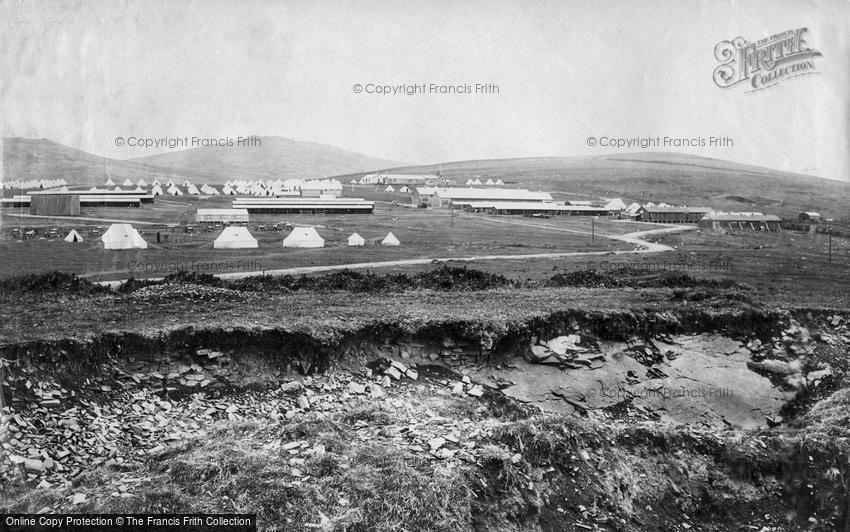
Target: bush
{"points": [[49, 282], [443, 278], [636, 278]]}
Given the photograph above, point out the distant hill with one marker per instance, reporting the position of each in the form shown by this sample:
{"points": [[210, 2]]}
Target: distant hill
{"points": [[277, 157], [674, 178], [669, 177], [25, 159]]}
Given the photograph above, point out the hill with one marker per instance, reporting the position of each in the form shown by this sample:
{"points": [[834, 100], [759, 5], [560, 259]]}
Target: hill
{"points": [[277, 157], [659, 177], [25, 159]]}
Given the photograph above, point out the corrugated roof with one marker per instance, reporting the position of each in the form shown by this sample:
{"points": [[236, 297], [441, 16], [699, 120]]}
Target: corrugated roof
{"points": [[678, 209], [533, 205], [410, 176], [219, 212], [741, 217]]}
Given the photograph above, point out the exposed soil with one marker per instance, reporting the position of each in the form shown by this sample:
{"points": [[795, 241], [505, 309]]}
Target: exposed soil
{"points": [[446, 425]]}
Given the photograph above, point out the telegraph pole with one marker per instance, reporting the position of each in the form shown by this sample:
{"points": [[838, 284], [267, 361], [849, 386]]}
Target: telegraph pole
{"points": [[829, 239], [592, 228]]}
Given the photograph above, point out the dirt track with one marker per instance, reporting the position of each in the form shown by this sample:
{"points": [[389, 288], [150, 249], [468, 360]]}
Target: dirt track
{"points": [[636, 238]]}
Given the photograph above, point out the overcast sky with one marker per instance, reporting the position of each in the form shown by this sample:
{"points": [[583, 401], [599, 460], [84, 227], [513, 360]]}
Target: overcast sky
{"points": [[83, 73]]}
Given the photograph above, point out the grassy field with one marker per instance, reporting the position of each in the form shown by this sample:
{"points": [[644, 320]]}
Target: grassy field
{"points": [[423, 234], [787, 267]]}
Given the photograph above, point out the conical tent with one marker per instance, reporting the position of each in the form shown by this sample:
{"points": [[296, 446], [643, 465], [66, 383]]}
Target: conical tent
{"points": [[127, 183], [304, 237], [73, 236], [390, 240], [234, 237], [123, 236], [356, 240], [389, 189], [616, 204]]}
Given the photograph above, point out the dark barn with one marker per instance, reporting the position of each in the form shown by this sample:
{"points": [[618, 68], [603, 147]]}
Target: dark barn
{"points": [[55, 204]]}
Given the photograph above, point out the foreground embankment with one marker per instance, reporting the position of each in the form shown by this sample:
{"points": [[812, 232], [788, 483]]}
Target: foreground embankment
{"points": [[452, 405]]}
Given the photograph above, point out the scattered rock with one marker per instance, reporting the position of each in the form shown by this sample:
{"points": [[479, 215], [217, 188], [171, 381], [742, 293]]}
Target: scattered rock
{"points": [[290, 387], [562, 344], [777, 367], [436, 443], [376, 391], [540, 353]]}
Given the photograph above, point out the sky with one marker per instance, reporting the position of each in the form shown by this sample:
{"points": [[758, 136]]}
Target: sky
{"points": [[83, 73]]}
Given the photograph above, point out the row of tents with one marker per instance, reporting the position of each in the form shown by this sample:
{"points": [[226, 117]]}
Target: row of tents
{"points": [[125, 236], [279, 187], [33, 184], [238, 237], [476, 181]]}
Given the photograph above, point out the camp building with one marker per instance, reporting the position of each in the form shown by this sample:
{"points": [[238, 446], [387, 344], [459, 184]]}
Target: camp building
{"points": [[672, 215], [741, 221], [461, 196], [321, 205], [221, 216], [534, 207]]}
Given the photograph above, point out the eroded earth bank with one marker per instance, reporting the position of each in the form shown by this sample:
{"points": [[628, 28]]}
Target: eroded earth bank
{"points": [[459, 401]]}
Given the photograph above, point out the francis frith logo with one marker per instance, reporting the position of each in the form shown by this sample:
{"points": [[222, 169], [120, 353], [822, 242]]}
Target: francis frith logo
{"points": [[764, 63]]}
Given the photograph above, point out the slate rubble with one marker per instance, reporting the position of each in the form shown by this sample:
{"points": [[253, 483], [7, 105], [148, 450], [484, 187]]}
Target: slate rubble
{"points": [[51, 434]]}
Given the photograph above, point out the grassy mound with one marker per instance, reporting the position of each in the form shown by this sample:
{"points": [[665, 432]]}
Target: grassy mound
{"points": [[50, 282], [636, 278], [442, 278]]}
